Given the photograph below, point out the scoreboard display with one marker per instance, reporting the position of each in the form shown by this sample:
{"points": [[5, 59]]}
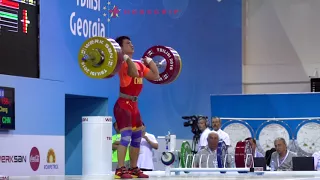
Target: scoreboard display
{"points": [[19, 38], [7, 109]]}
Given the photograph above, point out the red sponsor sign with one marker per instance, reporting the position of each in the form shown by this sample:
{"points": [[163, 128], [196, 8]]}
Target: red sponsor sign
{"points": [[114, 11], [34, 159], [145, 11]]}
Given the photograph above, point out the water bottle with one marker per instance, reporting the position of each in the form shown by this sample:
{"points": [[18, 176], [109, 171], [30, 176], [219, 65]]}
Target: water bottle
{"points": [[272, 165], [233, 165], [215, 164], [318, 165]]}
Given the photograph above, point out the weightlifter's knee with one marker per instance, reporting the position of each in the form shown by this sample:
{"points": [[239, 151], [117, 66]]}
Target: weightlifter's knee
{"points": [[136, 139], [125, 137]]}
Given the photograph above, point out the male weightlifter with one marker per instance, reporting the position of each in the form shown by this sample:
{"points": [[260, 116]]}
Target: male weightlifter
{"points": [[126, 110]]}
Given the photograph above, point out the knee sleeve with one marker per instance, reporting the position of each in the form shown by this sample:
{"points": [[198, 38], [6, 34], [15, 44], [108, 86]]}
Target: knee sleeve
{"points": [[125, 137], [136, 139]]}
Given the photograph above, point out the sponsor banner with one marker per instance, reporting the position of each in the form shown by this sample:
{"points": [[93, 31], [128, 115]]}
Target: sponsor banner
{"points": [[25, 155]]}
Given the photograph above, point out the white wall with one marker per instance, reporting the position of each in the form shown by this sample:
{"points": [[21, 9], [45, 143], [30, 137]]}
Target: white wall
{"points": [[281, 45]]}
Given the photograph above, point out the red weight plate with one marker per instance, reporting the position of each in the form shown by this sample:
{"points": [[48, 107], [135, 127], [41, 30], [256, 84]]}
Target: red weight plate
{"points": [[120, 54], [176, 72], [240, 154], [179, 64], [172, 60], [243, 148]]}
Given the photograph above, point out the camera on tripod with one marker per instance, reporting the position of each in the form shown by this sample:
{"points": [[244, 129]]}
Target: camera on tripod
{"points": [[192, 121]]}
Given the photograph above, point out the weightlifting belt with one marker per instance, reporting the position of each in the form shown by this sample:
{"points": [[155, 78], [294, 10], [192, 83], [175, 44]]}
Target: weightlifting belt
{"points": [[129, 97]]}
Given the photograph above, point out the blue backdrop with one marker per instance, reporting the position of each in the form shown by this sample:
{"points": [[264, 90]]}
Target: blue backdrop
{"points": [[206, 34]]}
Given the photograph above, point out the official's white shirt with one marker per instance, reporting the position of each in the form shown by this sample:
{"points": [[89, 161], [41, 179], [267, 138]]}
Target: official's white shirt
{"points": [[203, 138], [224, 137], [145, 159]]}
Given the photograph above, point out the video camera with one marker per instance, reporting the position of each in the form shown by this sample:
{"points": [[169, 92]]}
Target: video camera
{"points": [[193, 123]]}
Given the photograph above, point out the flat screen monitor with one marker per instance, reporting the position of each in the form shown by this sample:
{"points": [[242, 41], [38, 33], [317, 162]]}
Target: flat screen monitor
{"points": [[7, 108]]}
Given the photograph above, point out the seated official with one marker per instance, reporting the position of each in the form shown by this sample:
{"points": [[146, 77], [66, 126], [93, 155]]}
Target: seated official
{"points": [[268, 155], [207, 157], [203, 127], [253, 143], [281, 160]]}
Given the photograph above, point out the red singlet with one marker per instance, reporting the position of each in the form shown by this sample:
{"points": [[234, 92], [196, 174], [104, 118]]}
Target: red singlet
{"points": [[126, 112]]}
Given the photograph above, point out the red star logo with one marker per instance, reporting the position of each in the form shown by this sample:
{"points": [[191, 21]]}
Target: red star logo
{"points": [[114, 11]]}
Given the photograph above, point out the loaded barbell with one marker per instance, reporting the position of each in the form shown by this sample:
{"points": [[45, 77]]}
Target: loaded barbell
{"points": [[101, 58]]}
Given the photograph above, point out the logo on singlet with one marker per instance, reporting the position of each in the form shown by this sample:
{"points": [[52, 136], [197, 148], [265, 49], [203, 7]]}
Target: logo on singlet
{"points": [[137, 80]]}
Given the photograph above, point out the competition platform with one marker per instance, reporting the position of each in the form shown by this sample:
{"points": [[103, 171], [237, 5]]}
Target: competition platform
{"points": [[160, 175], [179, 161]]}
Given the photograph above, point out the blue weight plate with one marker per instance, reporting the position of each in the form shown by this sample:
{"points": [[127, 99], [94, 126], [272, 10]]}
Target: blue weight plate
{"points": [[222, 151], [167, 158]]}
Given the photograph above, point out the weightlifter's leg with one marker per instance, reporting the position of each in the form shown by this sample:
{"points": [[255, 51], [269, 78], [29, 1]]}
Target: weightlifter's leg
{"points": [[135, 146], [123, 118], [126, 134]]}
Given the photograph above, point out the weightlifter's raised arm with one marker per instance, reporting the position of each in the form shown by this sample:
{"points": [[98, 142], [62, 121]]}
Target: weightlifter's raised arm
{"points": [[128, 50], [153, 74], [132, 68]]}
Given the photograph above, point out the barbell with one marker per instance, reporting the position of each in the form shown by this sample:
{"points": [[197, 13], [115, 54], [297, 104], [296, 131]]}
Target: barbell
{"points": [[101, 58]]}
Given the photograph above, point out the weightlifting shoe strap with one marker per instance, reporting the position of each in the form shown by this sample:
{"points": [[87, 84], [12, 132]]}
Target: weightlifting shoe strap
{"points": [[129, 97]]}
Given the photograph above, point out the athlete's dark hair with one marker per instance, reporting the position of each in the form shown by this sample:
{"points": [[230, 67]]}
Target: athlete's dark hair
{"points": [[120, 39]]}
